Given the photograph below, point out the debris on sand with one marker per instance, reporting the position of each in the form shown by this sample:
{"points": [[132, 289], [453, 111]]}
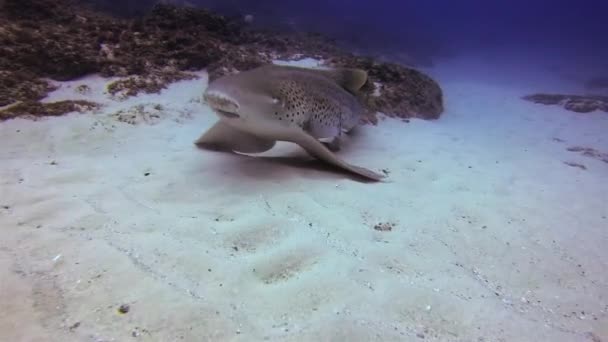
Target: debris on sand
{"points": [[590, 152], [384, 226], [124, 308]]}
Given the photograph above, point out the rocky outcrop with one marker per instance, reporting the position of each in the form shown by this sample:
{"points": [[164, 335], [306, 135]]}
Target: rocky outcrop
{"points": [[396, 90], [574, 103], [59, 40]]}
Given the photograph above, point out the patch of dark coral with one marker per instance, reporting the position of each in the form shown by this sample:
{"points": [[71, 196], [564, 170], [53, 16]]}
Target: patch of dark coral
{"points": [[574, 103], [58, 40], [57, 48], [21, 86], [36, 109], [590, 152], [38, 10], [576, 165], [187, 20], [153, 83]]}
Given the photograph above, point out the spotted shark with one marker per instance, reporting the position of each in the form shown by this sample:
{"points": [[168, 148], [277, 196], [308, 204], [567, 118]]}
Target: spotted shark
{"points": [[309, 107]]}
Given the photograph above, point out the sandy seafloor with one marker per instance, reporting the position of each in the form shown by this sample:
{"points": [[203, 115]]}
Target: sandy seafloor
{"points": [[494, 237]]}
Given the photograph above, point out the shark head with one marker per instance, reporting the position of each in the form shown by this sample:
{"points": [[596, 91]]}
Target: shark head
{"points": [[272, 99], [241, 100]]}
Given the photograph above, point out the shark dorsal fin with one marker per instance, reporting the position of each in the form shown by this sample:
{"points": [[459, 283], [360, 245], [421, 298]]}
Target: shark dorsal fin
{"points": [[351, 79]]}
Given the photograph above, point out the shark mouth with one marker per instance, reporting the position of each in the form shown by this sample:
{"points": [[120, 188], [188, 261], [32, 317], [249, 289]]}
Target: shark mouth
{"points": [[223, 105], [227, 115]]}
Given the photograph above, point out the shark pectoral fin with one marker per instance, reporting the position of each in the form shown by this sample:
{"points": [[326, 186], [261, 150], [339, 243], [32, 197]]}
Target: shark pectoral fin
{"points": [[315, 148], [225, 138], [332, 144]]}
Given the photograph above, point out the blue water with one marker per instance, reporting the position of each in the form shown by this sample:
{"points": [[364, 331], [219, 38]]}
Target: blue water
{"points": [[429, 29]]}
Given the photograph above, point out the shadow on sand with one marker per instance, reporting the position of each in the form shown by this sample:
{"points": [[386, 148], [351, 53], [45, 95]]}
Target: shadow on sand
{"points": [[276, 168]]}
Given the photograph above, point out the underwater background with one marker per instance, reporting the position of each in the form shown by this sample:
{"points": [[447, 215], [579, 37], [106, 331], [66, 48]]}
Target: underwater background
{"points": [[483, 125], [428, 28]]}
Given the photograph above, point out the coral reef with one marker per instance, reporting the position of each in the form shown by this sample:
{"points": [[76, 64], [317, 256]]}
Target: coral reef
{"points": [[21, 86], [574, 103], [61, 40]]}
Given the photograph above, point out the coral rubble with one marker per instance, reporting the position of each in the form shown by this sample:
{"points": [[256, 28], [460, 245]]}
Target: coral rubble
{"points": [[37, 109], [590, 152], [153, 83]]}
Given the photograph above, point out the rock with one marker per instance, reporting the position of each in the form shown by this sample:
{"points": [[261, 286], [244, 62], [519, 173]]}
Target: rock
{"points": [[574, 103], [124, 308], [404, 93]]}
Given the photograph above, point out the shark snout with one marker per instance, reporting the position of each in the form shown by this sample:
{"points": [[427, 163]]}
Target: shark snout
{"points": [[221, 102]]}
